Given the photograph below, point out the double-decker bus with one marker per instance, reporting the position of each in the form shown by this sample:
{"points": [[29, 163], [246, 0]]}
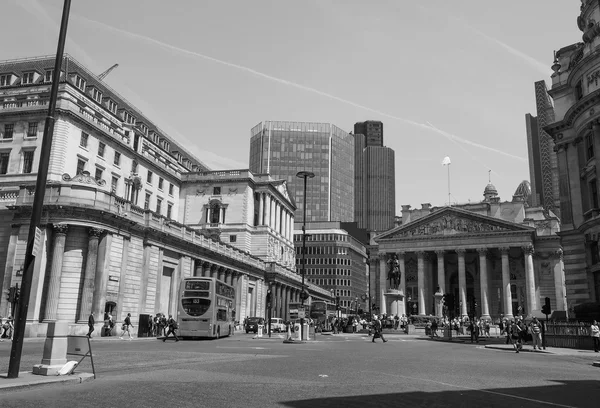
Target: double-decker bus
{"points": [[322, 312], [205, 308]]}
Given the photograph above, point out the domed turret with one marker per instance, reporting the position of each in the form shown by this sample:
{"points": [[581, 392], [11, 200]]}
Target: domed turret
{"points": [[524, 190], [490, 192]]}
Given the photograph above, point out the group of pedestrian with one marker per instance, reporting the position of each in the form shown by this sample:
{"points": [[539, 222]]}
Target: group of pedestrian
{"points": [[518, 332], [7, 327]]}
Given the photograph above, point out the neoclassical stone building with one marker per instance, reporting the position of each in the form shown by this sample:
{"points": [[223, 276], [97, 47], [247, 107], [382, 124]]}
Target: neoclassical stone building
{"points": [[497, 258], [576, 133], [115, 233]]}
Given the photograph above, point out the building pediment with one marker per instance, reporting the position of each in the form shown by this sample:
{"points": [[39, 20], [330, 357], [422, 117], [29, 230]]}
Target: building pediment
{"points": [[452, 221]]}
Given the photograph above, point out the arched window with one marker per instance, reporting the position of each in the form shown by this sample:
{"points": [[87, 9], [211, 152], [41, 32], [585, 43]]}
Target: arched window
{"points": [[214, 213]]}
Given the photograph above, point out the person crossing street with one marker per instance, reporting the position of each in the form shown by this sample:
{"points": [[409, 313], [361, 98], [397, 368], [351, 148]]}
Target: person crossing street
{"points": [[172, 324], [377, 330]]}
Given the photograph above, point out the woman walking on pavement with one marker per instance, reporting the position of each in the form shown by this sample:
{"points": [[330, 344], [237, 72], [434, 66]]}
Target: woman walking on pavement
{"points": [[126, 325], [172, 324]]}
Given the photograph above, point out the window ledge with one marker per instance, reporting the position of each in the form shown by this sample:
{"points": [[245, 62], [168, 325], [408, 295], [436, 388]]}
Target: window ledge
{"points": [[30, 137], [6, 140]]}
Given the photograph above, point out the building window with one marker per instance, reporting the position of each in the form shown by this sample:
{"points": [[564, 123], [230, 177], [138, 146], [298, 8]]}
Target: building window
{"points": [[27, 161], [215, 212], [80, 166], [216, 190], [127, 118], [147, 201], [112, 106], [149, 177], [27, 78], [98, 175], [233, 238], [97, 95], [80, 82], [6, 80], [169, 210], [32, 129], [4, 158], [9, 129], [589, 146], [83, 140], [117, 159], [160, 183], [170, 189], [158, 205], [594, 193], [101, 148], [48, 75], [114, 183]]}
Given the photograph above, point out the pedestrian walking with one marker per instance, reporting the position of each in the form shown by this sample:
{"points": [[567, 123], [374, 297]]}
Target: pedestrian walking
{"points": [[91, 323], [377, 330], [126, 326], [536, 333], [172, 324], [595, 332], [515, 336], [474, 329], [434, 328]]}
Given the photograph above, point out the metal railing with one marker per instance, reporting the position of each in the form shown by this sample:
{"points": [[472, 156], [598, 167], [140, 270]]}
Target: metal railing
{"points": [[574, 335]]}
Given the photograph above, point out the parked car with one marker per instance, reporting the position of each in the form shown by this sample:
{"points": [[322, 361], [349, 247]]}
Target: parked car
{"points": [[252, 324], [277, 324]]}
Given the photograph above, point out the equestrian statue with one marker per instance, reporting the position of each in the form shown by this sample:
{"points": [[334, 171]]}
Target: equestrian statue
{"points": [[394, 273]]}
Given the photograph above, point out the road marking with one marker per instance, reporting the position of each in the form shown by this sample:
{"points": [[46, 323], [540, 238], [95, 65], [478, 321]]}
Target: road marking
{"points": [[242, 347], [323, 375], [474, 389]]}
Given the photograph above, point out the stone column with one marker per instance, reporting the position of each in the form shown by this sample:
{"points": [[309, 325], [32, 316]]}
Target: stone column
{"points": [[267, 215], [206, 269], [402, 310], [382, 283], [101, 279], [483, 283], [286, 314], [261, 208], [506, 292], [221, 273], [574, 167], [213, 271], [421, 281], [60, 236], [198, 271], [441, 273], [529, 279], [277, 300], [462, 282], [559, 280]]}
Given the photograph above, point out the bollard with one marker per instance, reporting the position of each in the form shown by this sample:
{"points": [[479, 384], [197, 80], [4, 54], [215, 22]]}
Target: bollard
{"points": [[55, 349]]}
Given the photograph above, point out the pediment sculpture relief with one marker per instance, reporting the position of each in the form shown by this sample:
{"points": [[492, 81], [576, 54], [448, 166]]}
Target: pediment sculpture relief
{"points": [[448, 225]]}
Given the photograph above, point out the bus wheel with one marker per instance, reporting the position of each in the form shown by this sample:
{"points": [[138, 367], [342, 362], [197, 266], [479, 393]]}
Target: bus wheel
{"points": [[218, 332]]}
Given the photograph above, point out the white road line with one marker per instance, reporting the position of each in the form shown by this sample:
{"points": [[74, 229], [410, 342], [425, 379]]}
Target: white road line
{"points": [[475, 389]]}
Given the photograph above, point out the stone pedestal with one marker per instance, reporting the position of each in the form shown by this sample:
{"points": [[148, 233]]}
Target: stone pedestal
{"points": [[55, 349], [438, 304], [394, 298]]}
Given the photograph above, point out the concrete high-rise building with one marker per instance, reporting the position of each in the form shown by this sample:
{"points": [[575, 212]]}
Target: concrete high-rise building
{"points": [[543, 165], [373, 131], [282, 149], [374, 179]]}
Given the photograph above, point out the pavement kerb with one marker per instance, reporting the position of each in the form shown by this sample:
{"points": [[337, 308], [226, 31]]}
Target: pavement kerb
{"points": [[28, 380]]}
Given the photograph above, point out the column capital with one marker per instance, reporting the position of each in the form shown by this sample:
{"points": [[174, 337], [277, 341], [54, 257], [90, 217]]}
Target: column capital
{"points": [[528, 249], [559, 253], [420, 254], [440, 252], [504, 250], [400, 254], [95, 232], [60, 228], [460, 251], [382, 256], [482, 251]]}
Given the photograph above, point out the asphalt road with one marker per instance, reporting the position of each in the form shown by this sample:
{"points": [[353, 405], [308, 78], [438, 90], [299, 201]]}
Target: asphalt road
{"points": [[340, 371]]}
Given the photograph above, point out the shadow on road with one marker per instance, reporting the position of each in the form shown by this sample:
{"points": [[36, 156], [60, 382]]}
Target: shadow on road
{"points": [[564, 393]]}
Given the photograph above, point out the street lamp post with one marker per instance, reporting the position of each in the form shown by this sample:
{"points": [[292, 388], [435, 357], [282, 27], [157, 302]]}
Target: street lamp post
{"points": [[303, 295]]}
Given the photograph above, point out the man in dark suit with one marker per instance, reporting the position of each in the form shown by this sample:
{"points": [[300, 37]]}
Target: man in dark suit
{"points": [[172, 324], [91, 322]]}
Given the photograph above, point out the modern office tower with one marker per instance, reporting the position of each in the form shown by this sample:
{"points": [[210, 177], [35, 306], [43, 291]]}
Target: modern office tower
{"points": [[373, 131], [374, 179], [282, 149], [543, 165]]}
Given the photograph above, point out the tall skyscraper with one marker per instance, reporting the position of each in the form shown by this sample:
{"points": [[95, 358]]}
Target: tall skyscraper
{"points": [[373, 131], [282, 149], [543, 165], [374, 178]]}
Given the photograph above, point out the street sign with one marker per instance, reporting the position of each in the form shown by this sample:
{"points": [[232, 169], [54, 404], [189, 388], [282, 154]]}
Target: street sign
{"points": [[37, 243]]}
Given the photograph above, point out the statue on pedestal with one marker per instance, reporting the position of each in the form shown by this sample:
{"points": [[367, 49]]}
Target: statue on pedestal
{"points": [[394, 273]]}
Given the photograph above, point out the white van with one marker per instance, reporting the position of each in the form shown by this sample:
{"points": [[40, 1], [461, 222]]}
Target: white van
{"points": [[277, 325]]}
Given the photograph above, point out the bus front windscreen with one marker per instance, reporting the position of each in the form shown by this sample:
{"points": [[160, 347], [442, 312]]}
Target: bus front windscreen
{"points": [[195, 306]]}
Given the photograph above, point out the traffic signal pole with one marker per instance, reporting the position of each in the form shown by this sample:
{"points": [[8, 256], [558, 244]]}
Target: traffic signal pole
{"points": [[38, 202]]}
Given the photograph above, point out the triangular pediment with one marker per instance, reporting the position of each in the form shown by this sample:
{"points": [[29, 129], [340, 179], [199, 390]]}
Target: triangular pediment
{"points": [[452, 221]]}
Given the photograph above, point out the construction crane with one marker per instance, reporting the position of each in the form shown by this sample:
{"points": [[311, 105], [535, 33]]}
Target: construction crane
{"points": [[105, 73]]}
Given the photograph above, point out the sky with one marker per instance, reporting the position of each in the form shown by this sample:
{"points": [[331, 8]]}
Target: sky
{"points": [[446, 78]]}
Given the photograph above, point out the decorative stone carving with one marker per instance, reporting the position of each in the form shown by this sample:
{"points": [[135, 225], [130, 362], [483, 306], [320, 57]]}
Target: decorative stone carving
{"points": [[504, 250], [559, 253], [84, 178], [460, 251], [95, 232], [60, 228], [449, 225], [528, 249]]}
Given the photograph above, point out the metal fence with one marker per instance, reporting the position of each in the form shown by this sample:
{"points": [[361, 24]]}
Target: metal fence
{"points": [[576, 335]]}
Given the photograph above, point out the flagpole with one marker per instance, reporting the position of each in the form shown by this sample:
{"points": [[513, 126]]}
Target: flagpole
{"points": [[448, 184]]}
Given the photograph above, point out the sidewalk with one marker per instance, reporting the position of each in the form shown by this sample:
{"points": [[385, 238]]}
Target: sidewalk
{"points": [[549, 350], [27, 379]]}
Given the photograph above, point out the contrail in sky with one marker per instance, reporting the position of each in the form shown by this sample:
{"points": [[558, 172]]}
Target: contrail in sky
{"points": [[299, 86]]}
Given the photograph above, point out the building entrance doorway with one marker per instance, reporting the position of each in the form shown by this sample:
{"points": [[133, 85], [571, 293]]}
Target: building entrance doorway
{"points": [[166, 280]]}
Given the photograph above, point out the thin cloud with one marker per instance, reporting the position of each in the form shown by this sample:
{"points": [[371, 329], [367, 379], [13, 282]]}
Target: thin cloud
{"points": [[298, 86]]}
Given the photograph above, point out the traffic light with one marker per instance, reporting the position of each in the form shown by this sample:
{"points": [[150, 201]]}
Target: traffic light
{"points": [[546, 308], [269, 298], [11, 295], [449, 302], [337, 302]]}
